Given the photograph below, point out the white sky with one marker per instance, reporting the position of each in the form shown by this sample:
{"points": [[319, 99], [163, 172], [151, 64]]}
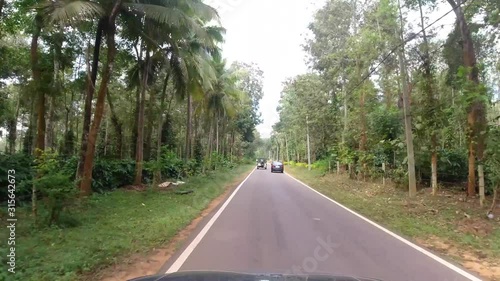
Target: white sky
{"points": [[269, 33]]}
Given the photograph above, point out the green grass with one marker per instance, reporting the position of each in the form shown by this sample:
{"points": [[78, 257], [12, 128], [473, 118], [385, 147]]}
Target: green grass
{"points": [[424, 217], [110, 227]]}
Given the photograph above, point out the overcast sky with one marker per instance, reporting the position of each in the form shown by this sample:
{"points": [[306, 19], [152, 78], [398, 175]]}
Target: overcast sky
{"points": [[270, 33]]}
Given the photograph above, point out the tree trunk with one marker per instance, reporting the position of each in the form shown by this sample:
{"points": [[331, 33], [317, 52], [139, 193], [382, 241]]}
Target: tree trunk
{"points": [[106, 135], [157, 175], [344, 131], [115, 121], [412, 188], [217, 134], [476, 115], [481, 184], [429, 89], [149, 127], [85, 186], [136, 121], [139, 152], [89, 96], [13, 128], [49, 134], [187, 152], [36, 72], [434, 159]]}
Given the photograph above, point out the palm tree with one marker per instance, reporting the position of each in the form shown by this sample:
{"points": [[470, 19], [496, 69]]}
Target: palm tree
{"points": [[193, 71], [188, 56], [185, 16], [222, 100]]}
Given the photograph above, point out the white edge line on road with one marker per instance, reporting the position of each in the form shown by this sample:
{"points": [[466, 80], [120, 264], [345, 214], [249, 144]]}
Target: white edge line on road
{"points": [[418, 248], [185, 254]]}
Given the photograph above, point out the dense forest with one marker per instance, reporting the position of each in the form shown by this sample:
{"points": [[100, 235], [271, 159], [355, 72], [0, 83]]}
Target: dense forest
{"points": [[97, 95], [387, 97]]}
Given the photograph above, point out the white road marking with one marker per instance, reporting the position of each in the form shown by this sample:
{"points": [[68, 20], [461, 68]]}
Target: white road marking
{"points": [[418, 248], [183, 257]]}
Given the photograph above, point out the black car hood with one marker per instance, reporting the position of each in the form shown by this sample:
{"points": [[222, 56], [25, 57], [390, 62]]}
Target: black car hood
{"points": [[234, 276]]}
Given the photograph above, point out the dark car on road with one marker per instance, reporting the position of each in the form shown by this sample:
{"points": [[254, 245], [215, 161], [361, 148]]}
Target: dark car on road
{"points": [[277, 167], [261, 163]]}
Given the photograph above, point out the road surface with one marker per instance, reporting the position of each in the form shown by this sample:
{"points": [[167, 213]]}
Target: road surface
{"points": [[273, 223]]}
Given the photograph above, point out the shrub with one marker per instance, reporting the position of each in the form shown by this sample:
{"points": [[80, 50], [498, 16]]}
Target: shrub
{"points": [[322, 165], [24, 171], [57, 192], [451, 167]]}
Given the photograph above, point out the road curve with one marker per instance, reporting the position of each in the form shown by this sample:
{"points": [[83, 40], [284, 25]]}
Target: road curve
{"points": [[273, 223]]}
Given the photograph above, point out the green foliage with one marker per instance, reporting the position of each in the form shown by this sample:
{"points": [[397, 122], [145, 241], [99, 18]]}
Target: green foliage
{"points": [[451, 167], [68, 144], [24, 167], [111, 174], [322, 165], [56, 189], [492, 158], [168, 134]]}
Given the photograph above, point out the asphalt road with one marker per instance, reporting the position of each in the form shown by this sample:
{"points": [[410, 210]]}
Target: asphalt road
{"points": [[273, 223]]}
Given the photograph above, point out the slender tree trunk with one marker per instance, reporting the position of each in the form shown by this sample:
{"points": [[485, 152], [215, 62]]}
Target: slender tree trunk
{"points": [[187, 152], [118, 127], [217, 133], [139, 152], [13, 128], [49, 134], [429, 89], [407, 115], [160, 124], [85, 187], [36, 73], [344, 131], [136, 121], [210, 144], [434, 159], [89, 96], [476, 113], [149, 126]]}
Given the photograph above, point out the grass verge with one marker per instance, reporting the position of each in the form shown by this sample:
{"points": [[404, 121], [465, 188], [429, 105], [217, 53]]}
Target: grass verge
{"points": [[111, 226], [445, 223]]}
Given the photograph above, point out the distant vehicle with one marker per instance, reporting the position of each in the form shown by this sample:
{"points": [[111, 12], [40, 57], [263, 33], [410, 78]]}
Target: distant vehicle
{"points": [[235, 276], [277, 167], [261, 163]]}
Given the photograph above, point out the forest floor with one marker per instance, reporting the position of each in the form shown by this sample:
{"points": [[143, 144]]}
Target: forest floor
{"points": [[448, 224], [125, 233]]}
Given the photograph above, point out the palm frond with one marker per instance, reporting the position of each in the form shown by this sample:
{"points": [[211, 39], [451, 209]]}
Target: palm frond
{"points": [[170, 16], [204, 11], [69, 11]]}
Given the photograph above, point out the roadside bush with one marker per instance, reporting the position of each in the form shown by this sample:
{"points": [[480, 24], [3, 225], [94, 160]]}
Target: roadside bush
{"points": [[55, 189], [24, 172], [492, 157], [111, 174], [57, 192], [321, 165], [172, 167], [451, 167]]}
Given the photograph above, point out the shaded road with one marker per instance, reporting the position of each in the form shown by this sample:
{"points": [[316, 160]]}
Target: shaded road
{"points": [[273, 223]]}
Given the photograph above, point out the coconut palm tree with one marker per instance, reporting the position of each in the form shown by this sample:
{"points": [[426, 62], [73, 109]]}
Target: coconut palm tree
{"points": [[185, 16], [221, 102]]}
